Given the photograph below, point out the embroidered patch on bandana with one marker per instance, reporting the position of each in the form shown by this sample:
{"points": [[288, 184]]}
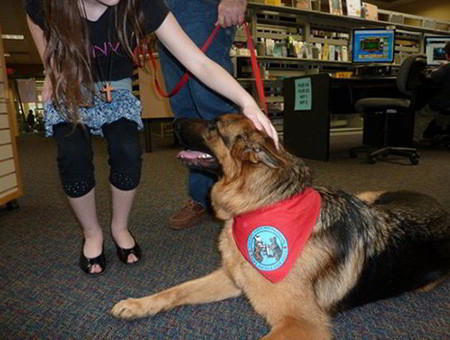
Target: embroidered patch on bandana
{"points": [[267, 248], [272, 238]]}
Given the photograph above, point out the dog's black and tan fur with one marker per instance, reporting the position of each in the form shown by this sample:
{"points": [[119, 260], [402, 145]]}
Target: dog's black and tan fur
{"points": [[364, 248]]}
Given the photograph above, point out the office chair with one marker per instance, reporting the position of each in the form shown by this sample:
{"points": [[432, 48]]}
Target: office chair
{"points": [[389, 122]]}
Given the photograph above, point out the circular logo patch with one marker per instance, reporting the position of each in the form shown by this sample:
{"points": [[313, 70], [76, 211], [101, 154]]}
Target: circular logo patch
{"points": [[267, 247]]}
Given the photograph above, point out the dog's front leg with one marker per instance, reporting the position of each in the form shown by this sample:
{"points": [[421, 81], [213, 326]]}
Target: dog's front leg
{"points": [[295, 329], [213, 287]]}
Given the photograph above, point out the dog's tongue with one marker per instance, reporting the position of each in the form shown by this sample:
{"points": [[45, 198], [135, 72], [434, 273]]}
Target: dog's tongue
{"points": [[189, 154]]}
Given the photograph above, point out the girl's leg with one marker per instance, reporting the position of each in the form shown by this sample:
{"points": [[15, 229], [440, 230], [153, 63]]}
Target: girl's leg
{"points": [[85, 210], [125, 160], [77, 176], [121, 207]]}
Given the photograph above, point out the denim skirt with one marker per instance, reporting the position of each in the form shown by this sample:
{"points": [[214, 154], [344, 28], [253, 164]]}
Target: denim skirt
{"points": [[123, 105]]}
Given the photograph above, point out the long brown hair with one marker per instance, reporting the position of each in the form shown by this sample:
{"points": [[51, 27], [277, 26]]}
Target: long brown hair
{"points": [[67, 61]]}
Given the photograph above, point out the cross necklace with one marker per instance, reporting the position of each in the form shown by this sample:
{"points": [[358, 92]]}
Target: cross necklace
{"points": [[107, 88]]}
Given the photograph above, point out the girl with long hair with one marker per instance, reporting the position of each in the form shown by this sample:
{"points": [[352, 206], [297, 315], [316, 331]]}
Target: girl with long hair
{"points": [[86, 47]]}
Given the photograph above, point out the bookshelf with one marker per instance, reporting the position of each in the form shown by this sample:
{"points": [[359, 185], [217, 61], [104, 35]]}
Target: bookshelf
{"points": [[11, 186], [315, 27], [320, 30]]}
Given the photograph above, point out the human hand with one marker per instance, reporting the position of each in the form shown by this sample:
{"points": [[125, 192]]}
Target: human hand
{"points": [[47, 90], [231, 12], [261, 122]]}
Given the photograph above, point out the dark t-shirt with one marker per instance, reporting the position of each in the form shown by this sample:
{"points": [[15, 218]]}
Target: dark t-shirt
{"points": [[109, 60], [441, 100], [442, 73]]}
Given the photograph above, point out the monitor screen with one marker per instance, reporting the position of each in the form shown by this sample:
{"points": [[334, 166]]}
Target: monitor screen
{"points": [[434, 49], [373, 46]]}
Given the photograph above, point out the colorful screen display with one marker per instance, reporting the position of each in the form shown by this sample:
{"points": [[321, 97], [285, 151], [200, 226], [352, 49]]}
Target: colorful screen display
{"points": [[434, 49], [373, 46]]}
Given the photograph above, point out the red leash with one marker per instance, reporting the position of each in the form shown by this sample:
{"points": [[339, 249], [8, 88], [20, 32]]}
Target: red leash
{"points": [[255, 66], [256, 70]]}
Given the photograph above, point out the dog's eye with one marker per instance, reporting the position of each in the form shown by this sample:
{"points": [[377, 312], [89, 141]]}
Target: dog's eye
{"points": [[242, 136], [212, 125]]}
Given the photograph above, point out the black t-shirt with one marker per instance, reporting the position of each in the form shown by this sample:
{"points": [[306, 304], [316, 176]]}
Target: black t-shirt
{"points": [[441, 100], [442, 74], [109, 61]]}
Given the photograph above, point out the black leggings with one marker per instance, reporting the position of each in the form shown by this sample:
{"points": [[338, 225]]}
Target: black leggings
{"points": [[75, 156]]}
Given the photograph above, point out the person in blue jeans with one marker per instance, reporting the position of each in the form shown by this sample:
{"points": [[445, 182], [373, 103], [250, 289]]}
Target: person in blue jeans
{"points": [[195, 100]]}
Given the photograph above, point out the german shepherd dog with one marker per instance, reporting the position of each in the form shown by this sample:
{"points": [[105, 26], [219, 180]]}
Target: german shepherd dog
{"points": [[362, 248]]}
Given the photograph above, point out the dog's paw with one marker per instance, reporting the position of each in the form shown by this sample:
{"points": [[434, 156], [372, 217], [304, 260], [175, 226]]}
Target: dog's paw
{"points": [[129, 309]]}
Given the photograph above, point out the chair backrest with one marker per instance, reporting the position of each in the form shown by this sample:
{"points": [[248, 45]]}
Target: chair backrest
{"points": [[409, 75]]}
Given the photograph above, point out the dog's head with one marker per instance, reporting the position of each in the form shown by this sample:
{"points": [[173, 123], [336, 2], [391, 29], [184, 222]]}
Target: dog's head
{"points": [[252, 171]]}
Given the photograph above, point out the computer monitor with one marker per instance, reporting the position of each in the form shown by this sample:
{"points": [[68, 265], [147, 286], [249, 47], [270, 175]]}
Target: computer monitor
{"points": [[434, 49], [373, 46]]}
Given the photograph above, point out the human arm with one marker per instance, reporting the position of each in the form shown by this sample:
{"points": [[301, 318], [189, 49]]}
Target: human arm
{"points": [[440, 73], [231, 12], [211, 74], [39, 41]]}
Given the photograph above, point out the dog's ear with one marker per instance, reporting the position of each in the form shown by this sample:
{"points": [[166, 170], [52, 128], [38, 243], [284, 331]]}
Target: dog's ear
{"points": [[266, 154], [268, 158]]}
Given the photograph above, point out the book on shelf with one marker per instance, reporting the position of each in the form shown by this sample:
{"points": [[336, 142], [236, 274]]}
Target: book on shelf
{"points": [[331, 53], [315, 5], [344, 51], [370, 11], [309, 52], [315, 51], [325, 51], [335, 7], [338, 53], [354, 8], [303, 4], [273, 2]]}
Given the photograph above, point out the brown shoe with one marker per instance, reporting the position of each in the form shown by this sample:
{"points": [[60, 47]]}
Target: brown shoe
{"points": [[188, 216]]}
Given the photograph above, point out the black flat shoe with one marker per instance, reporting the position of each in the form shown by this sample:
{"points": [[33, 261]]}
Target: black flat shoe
{"points": [[86, 263], [124, 253]]}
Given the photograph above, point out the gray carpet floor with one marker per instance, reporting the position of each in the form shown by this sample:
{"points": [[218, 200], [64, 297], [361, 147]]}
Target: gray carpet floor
{"points": [[44, 295]]}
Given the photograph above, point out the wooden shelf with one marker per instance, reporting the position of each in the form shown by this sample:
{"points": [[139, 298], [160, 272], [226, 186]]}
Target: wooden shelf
{"points": [[342, 20], [340, 42], [265, 80], [264, 58]]}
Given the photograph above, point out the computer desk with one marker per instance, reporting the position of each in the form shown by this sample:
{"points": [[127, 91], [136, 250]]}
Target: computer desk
{"points": [[307, 123]]}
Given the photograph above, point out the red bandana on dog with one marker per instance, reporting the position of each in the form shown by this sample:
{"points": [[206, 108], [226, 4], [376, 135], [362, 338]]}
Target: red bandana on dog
{"points": [[271, 238]]}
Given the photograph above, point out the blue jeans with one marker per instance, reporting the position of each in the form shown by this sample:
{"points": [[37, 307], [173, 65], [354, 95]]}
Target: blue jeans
{"points": [[195, 100]]}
